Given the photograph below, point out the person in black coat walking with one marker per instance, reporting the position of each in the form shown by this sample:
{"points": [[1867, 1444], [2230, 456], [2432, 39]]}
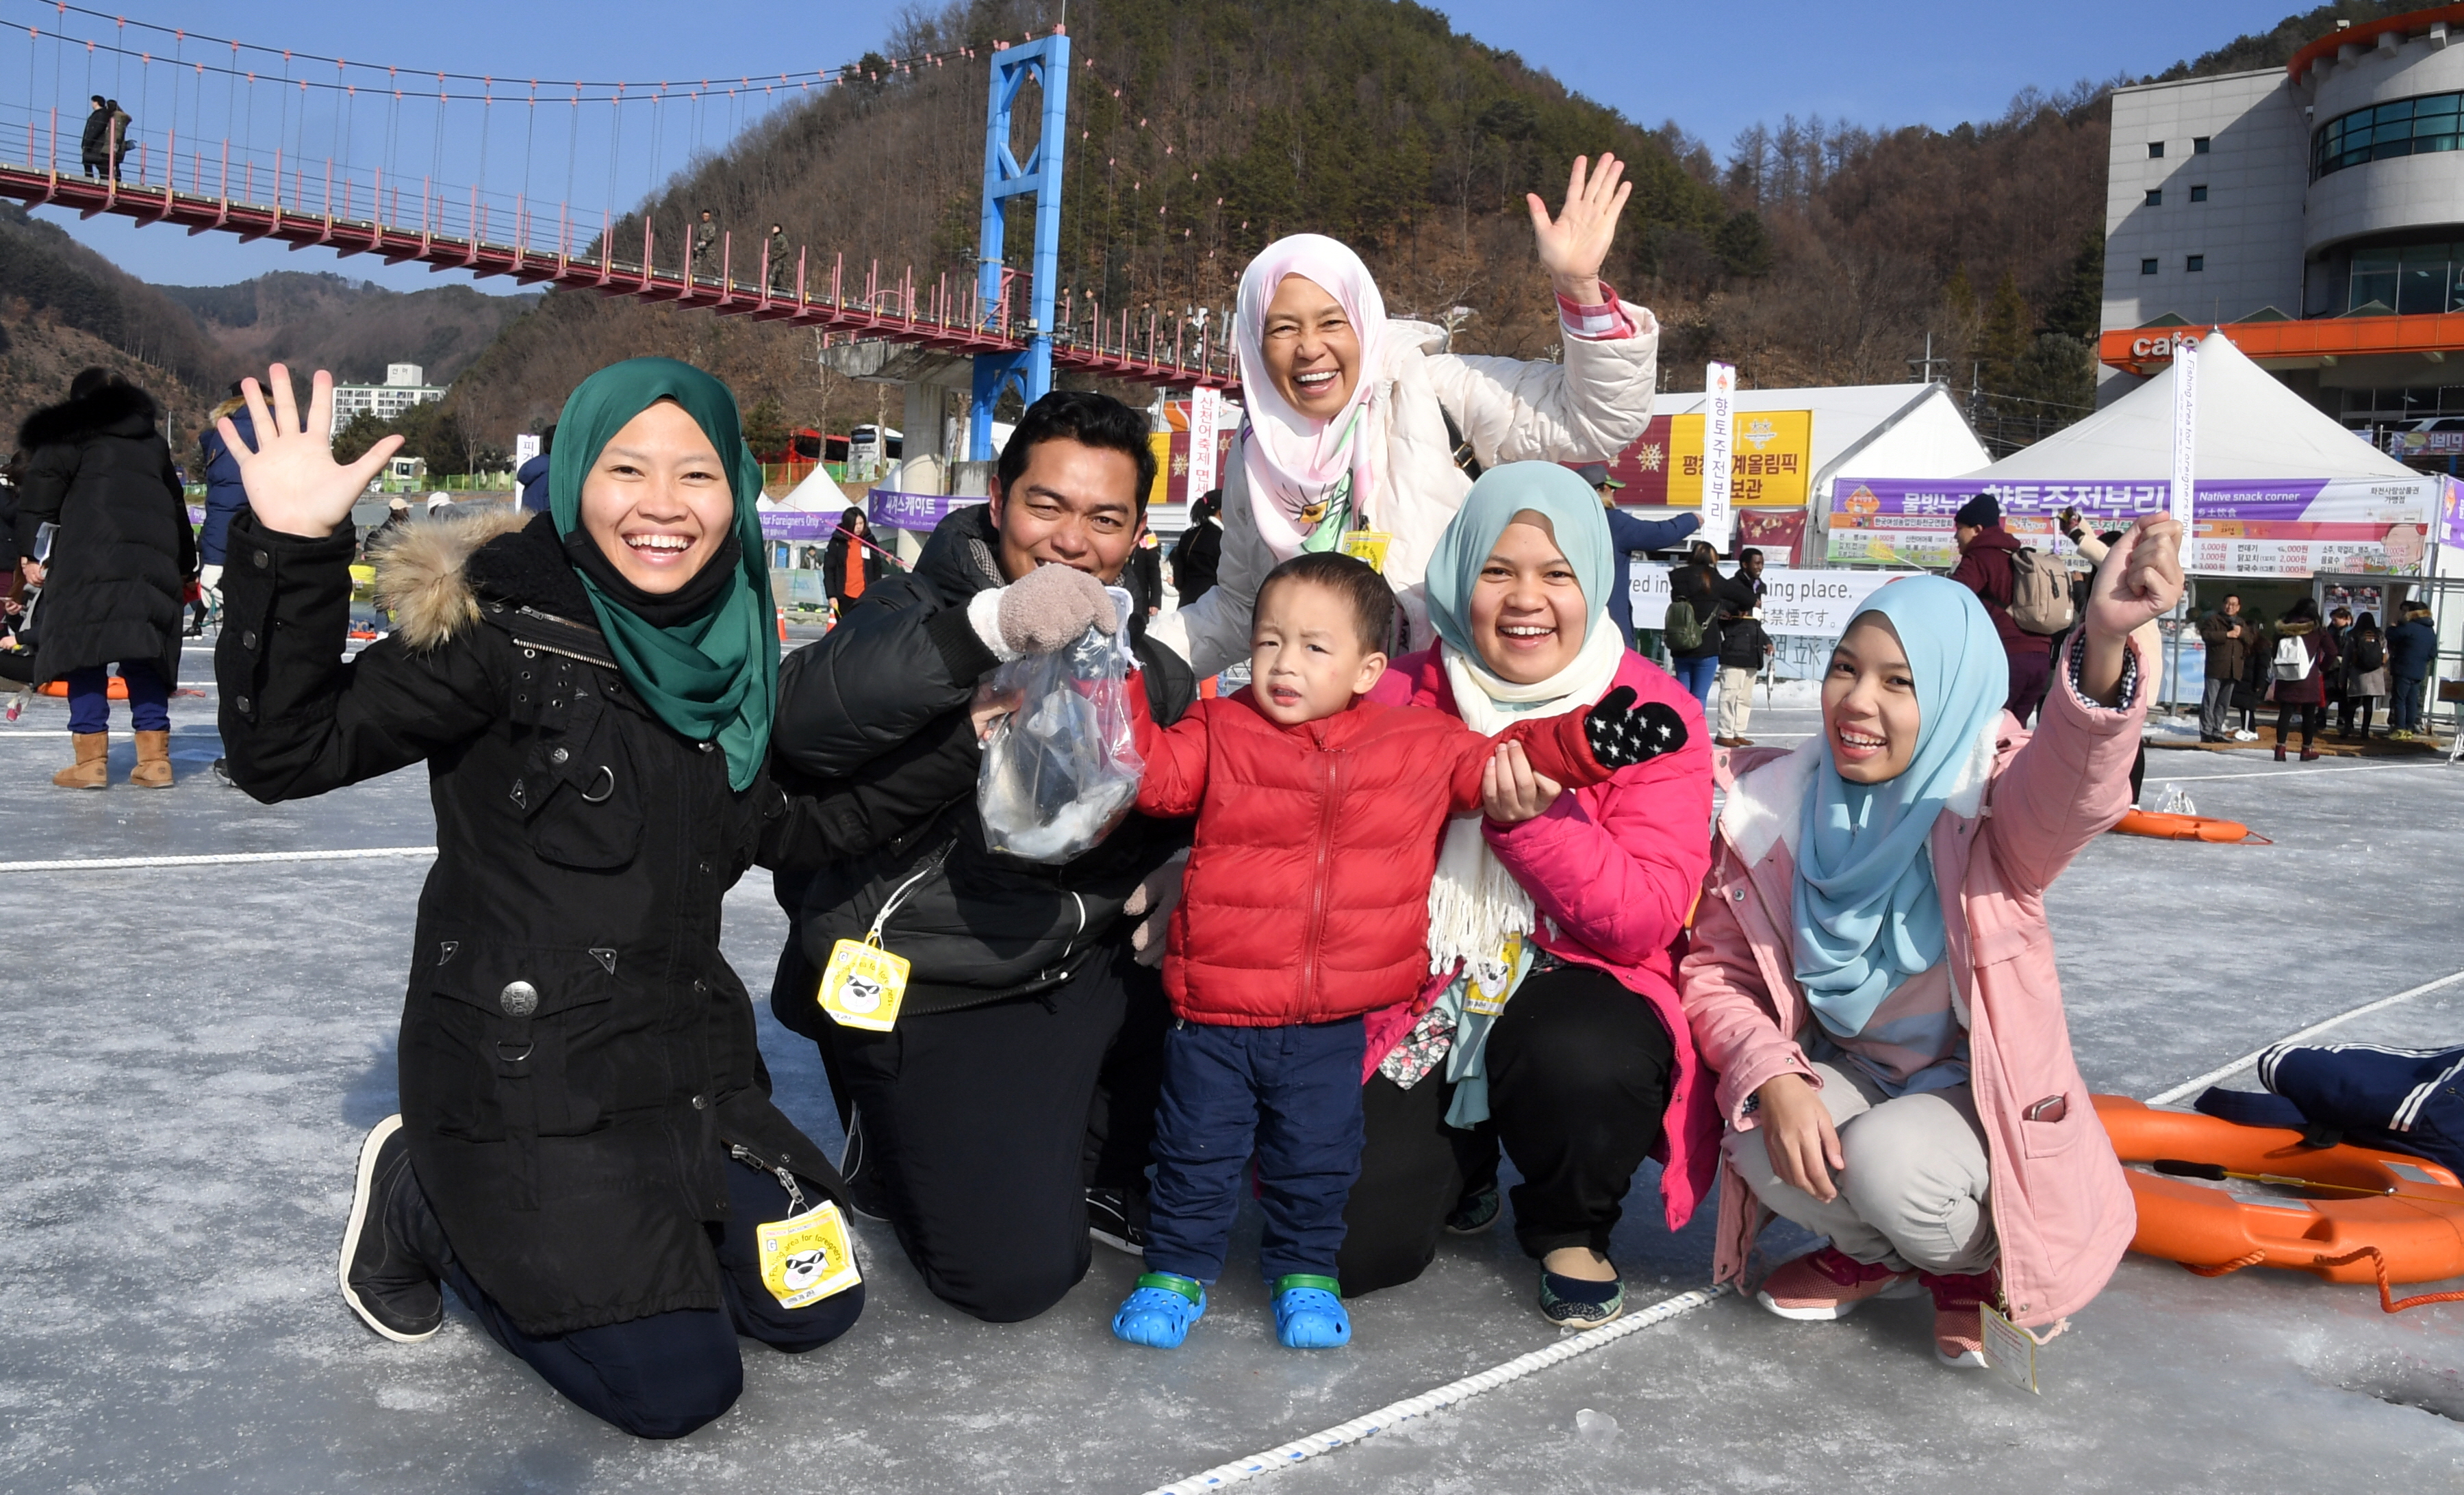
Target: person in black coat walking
{"points": [[850, 565], [121, 560], [93, 142], [1200, 550], [588, 1150]]}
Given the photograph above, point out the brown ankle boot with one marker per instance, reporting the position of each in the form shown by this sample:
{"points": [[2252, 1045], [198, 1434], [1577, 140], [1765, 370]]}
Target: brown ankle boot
{"points": [[92, 770], [153, 770]]}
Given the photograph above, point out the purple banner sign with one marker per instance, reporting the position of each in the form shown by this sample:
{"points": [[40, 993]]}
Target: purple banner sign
{"points": [[2450, 513], [799, 524], [919, 511]]}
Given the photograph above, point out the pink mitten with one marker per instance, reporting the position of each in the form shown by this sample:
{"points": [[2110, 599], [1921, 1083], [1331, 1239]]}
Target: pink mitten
{"points": [[1050, 607]]}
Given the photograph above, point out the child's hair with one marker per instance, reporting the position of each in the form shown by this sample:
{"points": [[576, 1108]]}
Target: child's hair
{"points": [[1349, 578]]}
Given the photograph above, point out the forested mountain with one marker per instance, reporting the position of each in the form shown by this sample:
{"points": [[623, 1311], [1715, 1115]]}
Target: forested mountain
{"points": [[352, 327]]}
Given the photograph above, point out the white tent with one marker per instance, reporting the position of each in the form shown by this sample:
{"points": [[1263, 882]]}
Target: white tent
{"points": [[818, 492], [1906, 430], [2250, 428]]}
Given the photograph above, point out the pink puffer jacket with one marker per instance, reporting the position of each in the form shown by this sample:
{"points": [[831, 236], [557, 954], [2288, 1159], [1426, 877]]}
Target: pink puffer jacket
{"points": [[2061, 1209], [1615, 869]]}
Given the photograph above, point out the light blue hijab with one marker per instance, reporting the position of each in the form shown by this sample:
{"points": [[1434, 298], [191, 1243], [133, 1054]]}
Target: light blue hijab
{"points": [[1573, 511], [1868, 915]]}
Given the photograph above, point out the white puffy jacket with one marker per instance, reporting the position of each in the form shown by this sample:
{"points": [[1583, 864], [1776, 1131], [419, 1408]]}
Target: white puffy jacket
{"points": [[1586, 409]]}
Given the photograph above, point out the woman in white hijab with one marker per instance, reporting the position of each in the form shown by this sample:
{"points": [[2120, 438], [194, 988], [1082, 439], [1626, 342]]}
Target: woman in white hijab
{"points": [[1354, 420]]}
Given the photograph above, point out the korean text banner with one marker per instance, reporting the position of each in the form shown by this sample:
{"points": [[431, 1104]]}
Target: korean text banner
{"points": [[1770, 466], [2245, 528]]}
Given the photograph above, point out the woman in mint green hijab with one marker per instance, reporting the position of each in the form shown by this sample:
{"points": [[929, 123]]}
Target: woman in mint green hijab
{"points": [[587, 1149]]}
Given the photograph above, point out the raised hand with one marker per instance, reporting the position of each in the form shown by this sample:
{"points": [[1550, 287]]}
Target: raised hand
{"points": [[1574, 243], [295, 486], [2141, 577]]}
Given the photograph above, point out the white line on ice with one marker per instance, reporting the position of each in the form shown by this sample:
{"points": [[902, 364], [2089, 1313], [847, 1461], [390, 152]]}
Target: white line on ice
{"points": [[112, 864], [2289, 773], [1446, 1396], [2187, 1086]]}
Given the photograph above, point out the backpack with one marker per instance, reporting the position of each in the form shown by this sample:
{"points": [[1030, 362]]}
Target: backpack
{"points": [[2040, 592], [2293, 658], [2368, 652], [1683, 628]]}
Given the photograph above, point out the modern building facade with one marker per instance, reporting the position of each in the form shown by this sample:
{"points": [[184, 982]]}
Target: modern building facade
{"points": [[401, 389], [2314, 213]]}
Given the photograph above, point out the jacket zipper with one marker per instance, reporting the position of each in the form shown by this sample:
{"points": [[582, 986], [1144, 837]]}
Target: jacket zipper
{"points": [[1317, 884]]}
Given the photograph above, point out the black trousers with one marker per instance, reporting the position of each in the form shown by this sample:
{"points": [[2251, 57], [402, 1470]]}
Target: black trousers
{"points": [[2366, 705], [1578, 1075], [665, 1375], [2313, 720], [983, 1129]]}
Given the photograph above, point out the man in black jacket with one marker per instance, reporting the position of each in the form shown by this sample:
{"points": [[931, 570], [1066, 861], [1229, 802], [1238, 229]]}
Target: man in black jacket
{"points": [[1018, 1083]]}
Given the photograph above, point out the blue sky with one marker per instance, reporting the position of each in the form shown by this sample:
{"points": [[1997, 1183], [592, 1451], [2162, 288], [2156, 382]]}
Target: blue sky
{"points": [[1715, 69]]}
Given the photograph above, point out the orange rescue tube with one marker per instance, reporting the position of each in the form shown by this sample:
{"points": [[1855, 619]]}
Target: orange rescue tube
{"points": [[117, 690], [2413, 1235], [2179, 828]]}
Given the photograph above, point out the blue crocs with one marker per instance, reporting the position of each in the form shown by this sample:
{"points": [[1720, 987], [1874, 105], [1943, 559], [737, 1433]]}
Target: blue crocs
{"points": [[1159, 1313], [1307, 1313]]}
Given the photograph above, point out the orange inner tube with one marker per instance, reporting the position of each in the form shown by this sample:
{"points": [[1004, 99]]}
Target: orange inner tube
{"points": [[2414, 1235], [117, 690], [2179, 828]]}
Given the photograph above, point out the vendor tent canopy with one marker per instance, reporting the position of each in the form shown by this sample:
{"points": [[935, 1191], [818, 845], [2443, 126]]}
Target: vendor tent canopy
{"points": [[2250, 428], [1906, 430]]}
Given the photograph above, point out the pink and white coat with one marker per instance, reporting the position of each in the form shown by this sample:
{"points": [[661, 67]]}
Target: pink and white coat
{"points": [[2061, 1208]]}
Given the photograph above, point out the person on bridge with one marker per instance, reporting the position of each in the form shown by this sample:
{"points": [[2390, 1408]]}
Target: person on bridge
{"points": [[782, 264], [1008, 1112], [704, 247], [1871, 974], [1354, 421], [122, 557], [94, 143], [586, 1149]]}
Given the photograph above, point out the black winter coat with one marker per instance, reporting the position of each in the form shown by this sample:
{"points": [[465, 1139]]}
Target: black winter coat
{"points": [[886, 693], [1195, 557], [577, 1062], [124, 553], [834, 568]]}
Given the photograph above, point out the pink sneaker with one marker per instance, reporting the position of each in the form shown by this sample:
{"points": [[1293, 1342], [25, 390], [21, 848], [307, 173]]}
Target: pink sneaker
{"points": [[1827, 1285], [1958, 1336]]}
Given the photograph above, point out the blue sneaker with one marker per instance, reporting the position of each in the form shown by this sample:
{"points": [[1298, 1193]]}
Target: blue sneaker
{"points": [[1307, 1313], [1159, 1313]]}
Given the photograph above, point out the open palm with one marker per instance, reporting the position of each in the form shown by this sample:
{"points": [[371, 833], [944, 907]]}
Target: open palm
{"points": [[295, 486], [1574, 243]]}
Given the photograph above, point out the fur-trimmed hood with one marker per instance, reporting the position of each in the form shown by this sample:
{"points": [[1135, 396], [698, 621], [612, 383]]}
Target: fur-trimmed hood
{"points": [[431, 574], [114, 409]]}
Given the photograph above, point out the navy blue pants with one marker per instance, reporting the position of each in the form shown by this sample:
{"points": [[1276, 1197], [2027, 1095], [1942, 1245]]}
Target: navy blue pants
{"points": [[149, 700], [667, 1373], [1291, 1094]]}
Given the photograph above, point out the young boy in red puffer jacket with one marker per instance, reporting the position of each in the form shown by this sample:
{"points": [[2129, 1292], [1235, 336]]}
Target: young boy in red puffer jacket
{"points": [[1305, 906]]}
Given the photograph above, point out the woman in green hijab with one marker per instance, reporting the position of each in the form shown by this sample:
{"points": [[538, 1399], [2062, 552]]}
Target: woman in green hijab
{"points": [[587, 1149]]}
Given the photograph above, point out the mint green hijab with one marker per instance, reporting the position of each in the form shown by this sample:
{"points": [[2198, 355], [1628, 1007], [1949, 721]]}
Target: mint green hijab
{"points": [[713, 675]]}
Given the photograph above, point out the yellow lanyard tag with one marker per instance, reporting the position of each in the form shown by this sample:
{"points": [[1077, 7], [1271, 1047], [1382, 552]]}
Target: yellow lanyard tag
{"points": [[806, 1257], [1369, 545], [1487, 991], [863, 985]]}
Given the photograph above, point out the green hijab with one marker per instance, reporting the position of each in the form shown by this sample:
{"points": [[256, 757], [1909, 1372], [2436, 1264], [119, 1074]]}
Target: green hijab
{"points": [[713, 675]]}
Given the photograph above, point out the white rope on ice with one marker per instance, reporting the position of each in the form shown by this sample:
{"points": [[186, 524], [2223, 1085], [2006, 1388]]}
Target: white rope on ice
{"points": [[1446, 1396], [2224, 1072], [114, 864]]}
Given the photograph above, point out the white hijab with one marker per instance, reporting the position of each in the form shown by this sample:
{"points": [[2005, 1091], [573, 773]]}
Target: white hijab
{"points": [[1291, 459]]}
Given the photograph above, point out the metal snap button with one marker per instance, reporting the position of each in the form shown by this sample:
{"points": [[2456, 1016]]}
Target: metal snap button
{"points": [[704, 746], [262, 559], [701, 1103], [248, 640], [559, 756], [519, 999], [241, 701]]}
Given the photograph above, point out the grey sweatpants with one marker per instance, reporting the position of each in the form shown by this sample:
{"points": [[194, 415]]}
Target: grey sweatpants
{"points": [[1913, 1192]]}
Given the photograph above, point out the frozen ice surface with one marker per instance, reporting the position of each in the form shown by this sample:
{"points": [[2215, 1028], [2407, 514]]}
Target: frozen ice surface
{"points": [[193, 1055]]}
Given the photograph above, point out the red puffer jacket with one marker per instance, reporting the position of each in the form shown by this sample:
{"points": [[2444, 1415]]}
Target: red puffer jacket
{"points": [[1308, 891]]}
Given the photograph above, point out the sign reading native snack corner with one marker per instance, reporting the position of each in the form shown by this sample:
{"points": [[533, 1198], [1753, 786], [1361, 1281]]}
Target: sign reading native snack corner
{"points": [[2243, 528], [1770, 461]]}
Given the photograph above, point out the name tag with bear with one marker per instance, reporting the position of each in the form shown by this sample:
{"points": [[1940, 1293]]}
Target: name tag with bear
{"points": [[863, 985], [807, 1258]]}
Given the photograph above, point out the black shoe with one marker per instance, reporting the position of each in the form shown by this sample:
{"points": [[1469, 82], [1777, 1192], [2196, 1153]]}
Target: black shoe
{"points": [[222, 771], [1119, 1219], [864, 1194], [1473, 1213], [392, 1239]]}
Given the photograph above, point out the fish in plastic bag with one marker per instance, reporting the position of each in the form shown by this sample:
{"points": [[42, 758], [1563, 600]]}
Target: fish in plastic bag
{"points": [[1062, 770]]}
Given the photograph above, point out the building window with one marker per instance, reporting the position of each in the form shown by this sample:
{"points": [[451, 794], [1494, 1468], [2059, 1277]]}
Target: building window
{"points": [[2399, 127], [2413, 281], [2147, 266], [2195, 263], [2155, 150], [2199, 146], [2155, 197], [2199, 192]]}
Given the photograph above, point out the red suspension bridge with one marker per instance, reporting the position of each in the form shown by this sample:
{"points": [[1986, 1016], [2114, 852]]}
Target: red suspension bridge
{"points": [[306, 188]]}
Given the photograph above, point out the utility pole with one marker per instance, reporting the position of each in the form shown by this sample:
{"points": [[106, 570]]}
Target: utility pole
{"points": [[1926, 366]]}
